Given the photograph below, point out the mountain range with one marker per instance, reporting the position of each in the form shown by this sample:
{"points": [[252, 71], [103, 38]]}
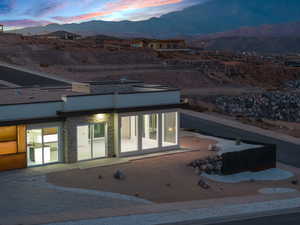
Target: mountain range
{"points": [[212, 16], [269, 30]]}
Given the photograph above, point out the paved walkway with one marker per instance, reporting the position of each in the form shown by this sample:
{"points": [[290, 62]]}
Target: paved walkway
{"points": [[29, 200], [177, 212], [194, 214], [25, 198]]}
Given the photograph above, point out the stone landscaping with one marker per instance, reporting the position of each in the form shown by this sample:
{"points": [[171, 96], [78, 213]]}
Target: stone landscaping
{"points": [[292, 84], [209, 165], [275, 105]]}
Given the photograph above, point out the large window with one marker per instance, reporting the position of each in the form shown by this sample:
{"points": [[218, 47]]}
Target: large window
{"points": [[169, 128], [150, 131], [42, 146], [129, 134], [91, 141], [147, 132]]}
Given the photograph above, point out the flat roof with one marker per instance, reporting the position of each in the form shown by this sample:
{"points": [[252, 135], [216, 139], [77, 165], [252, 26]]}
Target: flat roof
{"points": [[18, 86], [26, 95], [21, 78]]}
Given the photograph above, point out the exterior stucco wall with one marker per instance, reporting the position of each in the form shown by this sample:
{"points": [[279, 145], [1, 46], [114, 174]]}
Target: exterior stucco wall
{"points": [[70, 135]]}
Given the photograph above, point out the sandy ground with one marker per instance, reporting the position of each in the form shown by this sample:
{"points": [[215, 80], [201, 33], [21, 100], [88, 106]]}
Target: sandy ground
{"points": [[165, 178]]}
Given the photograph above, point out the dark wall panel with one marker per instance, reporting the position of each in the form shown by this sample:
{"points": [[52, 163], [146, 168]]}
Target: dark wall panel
{"points": [[10, 162], [256, 159]]}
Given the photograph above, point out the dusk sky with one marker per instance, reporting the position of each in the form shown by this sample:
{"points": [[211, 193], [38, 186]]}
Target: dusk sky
{"points": [[24, 13]]}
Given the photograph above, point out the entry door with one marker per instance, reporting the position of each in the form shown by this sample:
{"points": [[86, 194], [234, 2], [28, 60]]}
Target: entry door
{"points": [[42, 146], [91, 141]]}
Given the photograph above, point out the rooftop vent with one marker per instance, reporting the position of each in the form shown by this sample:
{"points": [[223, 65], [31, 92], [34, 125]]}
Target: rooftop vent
{"points": [[123, 80], [18, 92], [81, 87]]}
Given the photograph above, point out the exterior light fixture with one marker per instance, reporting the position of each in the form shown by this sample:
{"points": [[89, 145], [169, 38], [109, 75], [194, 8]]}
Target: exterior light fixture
{"points": [[100, 116]]}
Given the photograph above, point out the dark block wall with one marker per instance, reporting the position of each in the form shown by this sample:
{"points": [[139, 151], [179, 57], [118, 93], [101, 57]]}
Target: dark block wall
{"points": [[255, 159], [287, 152]]}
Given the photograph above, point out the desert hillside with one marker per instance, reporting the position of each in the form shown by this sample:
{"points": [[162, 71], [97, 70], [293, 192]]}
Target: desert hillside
{"points": [[87, 59], [271, 38], [223, 82], [26, 51], [262, 45]]}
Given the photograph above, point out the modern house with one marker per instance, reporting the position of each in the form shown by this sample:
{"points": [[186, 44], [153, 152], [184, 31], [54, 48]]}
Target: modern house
{"points": [[159, 44], [292, 61], [167, 44], [71, 123], [64, 35]]}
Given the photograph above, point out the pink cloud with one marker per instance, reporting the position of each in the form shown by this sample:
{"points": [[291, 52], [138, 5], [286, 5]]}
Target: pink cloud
{"points": [[120, 5], [24, 23]]}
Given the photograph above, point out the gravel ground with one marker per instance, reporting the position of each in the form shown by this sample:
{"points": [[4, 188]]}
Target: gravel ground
{"points": [[165, 178]]}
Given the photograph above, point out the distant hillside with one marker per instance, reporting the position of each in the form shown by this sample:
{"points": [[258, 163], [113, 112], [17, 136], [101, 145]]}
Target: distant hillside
{"points": [[251, 44], [210, 17], [269, 30]]}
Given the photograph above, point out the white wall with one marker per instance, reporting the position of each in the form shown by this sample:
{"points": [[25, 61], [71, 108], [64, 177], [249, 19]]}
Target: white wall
{"points": [[88, 102], [121, 101], [92, 102], [29, 111], [147, 99]]}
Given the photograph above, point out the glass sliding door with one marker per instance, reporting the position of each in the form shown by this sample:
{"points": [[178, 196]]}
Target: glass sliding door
{"points": [[34, 147], [91, 141], [84, 148], [99, 140], [129, 134], [150, 131], [42, 146], [170, 129], [50, 137]]}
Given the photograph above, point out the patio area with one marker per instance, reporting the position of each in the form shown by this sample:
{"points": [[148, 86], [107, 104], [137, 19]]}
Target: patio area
{"points": [[163, 178]]}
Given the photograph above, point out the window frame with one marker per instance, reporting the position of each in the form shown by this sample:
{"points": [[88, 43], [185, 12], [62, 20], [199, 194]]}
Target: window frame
{"points": [[140, 150], [91, 138]]}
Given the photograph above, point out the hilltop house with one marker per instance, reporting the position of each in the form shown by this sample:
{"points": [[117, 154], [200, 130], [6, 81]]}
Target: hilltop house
{"points": [[139, 43], [86, 121], [159, 44], [64, 35], [166, 44], [292, 61]]}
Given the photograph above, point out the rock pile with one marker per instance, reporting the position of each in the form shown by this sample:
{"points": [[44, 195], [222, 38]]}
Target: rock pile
{"points": [[203, 184], [119, 175], [209, 165], [293, 84], [270, 105]]}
